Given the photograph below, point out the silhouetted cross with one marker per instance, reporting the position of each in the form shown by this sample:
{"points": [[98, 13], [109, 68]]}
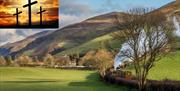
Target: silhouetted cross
{"points": [[41, 12], [17, 16], [29, 9]]}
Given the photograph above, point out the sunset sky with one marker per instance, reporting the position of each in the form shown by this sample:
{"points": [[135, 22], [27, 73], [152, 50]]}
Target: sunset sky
{"points": [[8, 8]]}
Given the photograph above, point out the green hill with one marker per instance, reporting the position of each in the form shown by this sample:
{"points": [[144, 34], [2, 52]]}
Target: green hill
{"points": [[93, 44], [78, 37]]}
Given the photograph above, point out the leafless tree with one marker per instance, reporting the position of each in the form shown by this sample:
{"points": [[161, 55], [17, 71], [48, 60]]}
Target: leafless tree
{"points": [[148, 36], [100, 59], [2, 61], [49, 60], [23, 60]]}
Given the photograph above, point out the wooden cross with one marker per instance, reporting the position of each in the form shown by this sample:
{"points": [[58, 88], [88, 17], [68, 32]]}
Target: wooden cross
{"points": [[41, 12], [29, 9], [17, 16]]}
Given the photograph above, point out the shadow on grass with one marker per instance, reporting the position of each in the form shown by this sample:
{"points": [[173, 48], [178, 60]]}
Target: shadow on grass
{"points": [[32, 80], [28, 81], [91, 80]]}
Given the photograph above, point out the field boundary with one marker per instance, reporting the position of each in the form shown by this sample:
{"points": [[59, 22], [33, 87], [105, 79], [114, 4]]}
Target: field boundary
{"points": [[153, 85]]}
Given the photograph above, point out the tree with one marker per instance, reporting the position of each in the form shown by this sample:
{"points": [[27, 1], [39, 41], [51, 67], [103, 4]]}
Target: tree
{"points": [[103, 60], [148, 37], [49, 60], [62, 61], [9, 61], [75, 58], [23, 60], [100, 59], [2, 61], [88, 59]]}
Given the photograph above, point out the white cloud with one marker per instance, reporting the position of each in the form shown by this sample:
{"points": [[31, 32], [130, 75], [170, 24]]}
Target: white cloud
{"points": [[13, 35], [73, 12], [9, 36], [69, 19]]}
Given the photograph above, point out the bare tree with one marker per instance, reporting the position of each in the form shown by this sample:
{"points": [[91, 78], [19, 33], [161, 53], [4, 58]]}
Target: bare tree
{"points": [[49, 60], [2, 61], [9, 61], [148, 36], [23, 60], [103, 60]]}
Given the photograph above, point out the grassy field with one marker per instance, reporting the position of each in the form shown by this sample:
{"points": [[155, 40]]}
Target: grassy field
{"points": [[41, 79], [167, 68]]}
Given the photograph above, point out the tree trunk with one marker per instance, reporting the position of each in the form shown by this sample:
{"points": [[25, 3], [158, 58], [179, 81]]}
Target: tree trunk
{"points": [[142, 85]]}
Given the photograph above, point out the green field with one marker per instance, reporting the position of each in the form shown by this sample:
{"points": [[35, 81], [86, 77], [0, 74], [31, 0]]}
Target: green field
{"points": [[167, 68], [42, 79]]}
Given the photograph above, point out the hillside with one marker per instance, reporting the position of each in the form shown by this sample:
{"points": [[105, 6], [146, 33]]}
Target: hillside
{"points": [[166, 68], [71, 36], [81, 37], [169, 8], [14, 47]]}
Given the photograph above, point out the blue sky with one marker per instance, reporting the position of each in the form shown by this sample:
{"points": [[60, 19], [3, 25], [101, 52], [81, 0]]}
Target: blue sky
{"points": [[122, 5], [72, 11], [98, 3]]}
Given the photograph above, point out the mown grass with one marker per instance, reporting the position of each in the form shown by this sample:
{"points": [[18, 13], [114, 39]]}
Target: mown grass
{"points": [[42, 79]]}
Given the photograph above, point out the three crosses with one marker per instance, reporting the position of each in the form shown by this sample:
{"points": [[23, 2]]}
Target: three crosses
{"points": [[29, 13]]}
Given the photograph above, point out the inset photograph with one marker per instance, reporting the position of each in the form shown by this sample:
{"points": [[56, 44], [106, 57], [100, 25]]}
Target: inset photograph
{"points": [[29, 13]]}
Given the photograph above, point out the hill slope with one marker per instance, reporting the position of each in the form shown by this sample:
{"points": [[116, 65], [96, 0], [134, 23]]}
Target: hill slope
{"points": [[77, 36], [14, 47], [71, 36]]}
